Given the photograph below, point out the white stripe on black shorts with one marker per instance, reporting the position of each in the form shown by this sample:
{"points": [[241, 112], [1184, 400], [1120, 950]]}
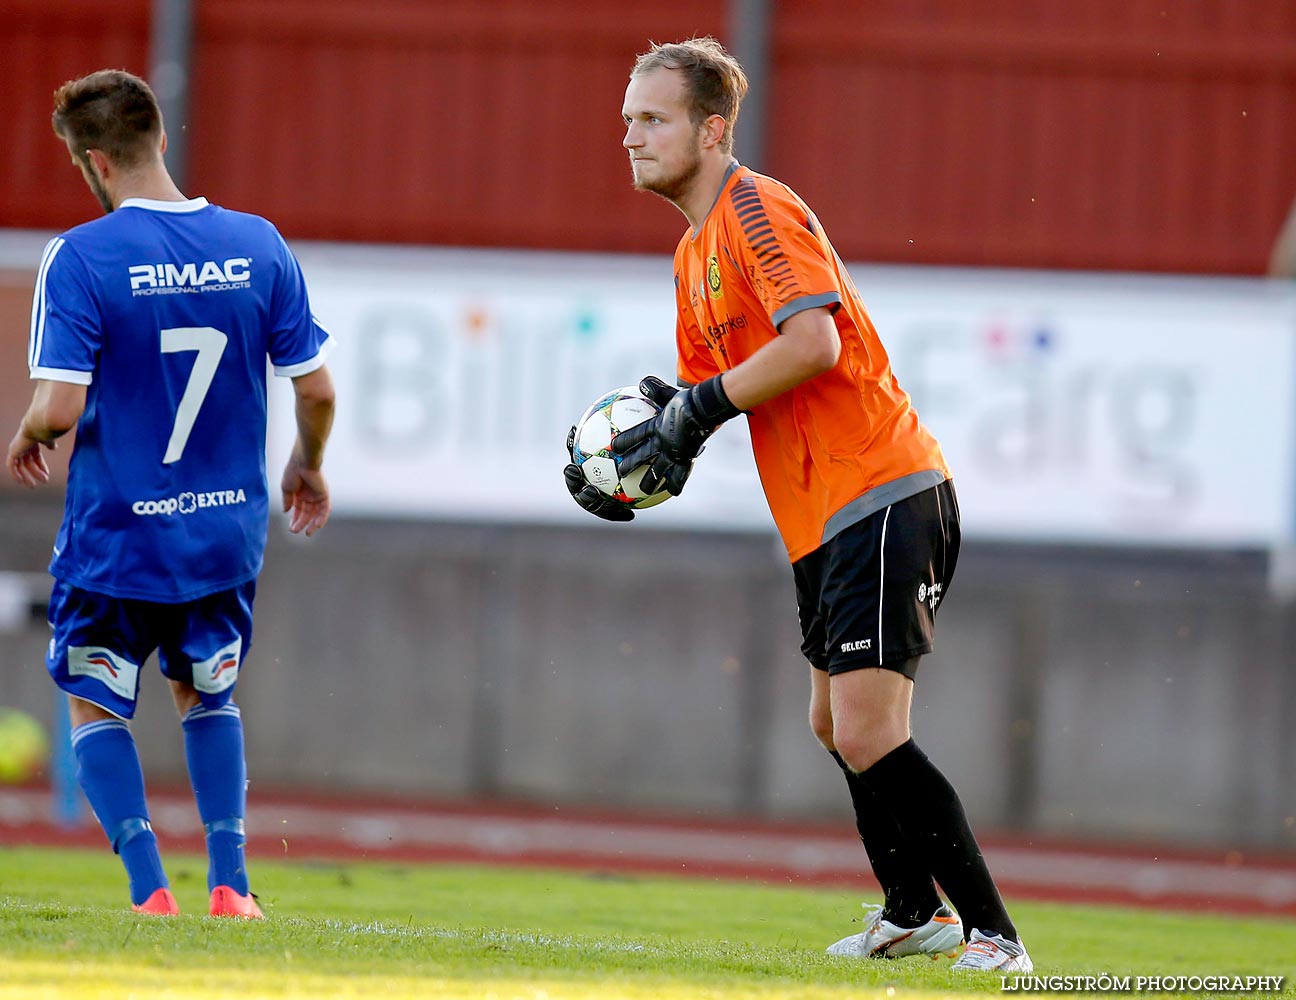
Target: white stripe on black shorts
{"points": [[868, 596]]}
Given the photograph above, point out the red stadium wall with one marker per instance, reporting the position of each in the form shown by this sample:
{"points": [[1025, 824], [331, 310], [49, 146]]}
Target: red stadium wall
{"points": [[1113, 134], [43, 44]]}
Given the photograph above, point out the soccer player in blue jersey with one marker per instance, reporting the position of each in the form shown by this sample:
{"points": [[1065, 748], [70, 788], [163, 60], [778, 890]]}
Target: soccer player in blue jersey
{"points": [[150, 333]]}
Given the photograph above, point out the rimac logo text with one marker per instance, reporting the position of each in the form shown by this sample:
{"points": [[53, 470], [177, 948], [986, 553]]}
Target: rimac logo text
{"points": [[191, 278]]}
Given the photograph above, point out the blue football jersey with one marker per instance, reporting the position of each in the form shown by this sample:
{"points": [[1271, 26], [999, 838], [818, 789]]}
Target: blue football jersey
{"points": [[167, 312]]}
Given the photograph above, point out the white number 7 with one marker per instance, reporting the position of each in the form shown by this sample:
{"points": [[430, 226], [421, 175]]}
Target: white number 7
{"points": [[210, 345]]}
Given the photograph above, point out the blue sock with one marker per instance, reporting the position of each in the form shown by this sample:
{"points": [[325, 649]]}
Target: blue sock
{"points": [[218, 771], [108, 769]]}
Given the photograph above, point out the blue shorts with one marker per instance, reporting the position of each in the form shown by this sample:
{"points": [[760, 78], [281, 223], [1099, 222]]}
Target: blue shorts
{"points": [[100, 643]]}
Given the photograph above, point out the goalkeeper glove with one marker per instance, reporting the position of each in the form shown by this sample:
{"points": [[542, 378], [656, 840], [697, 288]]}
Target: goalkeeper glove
{"points": [[670, 441], [589, 497]]}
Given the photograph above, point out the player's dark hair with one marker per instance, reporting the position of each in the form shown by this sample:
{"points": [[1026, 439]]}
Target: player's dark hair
{"points": [[112, 111], [715, 80]]}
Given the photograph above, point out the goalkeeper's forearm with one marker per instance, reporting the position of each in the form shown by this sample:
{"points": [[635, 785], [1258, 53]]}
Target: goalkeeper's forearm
{"points": [[808, 345]]}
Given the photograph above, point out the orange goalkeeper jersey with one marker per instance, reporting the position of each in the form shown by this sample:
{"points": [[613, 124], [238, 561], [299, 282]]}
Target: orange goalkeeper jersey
{"points": [[846, 443]]}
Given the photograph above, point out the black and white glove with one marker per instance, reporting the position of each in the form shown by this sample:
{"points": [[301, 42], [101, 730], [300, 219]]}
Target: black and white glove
{"points": [[670, 441], [589, 497]]}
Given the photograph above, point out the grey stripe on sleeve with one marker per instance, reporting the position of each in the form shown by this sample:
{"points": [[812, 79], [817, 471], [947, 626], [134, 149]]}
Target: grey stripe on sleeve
{"points": [[804, 303]]}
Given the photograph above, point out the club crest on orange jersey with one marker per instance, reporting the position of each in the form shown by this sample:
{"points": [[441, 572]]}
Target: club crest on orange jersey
{"points": [[713, 277]]}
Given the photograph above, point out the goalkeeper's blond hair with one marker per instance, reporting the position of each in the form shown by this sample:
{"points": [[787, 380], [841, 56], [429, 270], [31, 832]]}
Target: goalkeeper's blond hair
{"points": [[714, 80]]}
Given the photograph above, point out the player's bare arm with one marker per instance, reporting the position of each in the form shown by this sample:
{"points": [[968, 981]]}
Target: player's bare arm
{"points": [[55, 409], [808, 345], [305, 490]]}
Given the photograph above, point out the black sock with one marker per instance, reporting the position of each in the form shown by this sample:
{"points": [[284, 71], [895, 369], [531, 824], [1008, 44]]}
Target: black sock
{"points": [[911, 896], [930, 814]]}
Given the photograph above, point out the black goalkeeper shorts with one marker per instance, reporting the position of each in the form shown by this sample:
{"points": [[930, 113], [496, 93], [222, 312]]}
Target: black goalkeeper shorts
{"points": [[868, 596]]}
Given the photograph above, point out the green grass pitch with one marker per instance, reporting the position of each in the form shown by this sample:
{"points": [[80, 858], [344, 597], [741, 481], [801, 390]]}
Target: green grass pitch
{"points": [[446, 931]]}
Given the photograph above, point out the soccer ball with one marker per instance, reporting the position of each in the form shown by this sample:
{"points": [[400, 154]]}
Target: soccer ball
{"points": [[609, 415], [24, 747]]}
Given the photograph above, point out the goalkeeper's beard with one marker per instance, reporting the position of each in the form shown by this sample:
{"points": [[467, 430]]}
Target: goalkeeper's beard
{"points": [[675, 186]]}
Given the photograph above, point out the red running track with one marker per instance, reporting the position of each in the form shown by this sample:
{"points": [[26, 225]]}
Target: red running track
{"points": [[300, 827]]}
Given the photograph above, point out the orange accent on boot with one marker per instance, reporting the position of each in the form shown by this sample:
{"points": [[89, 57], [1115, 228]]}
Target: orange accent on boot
{"points": [[160, 904], [225, 902]]}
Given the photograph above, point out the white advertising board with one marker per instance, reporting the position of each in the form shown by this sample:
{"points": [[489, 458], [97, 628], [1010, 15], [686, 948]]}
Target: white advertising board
{"points": [[1106, 409]]}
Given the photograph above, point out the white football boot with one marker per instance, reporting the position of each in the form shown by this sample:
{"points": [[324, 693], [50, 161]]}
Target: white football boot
{"points": [[941, 935], [987, 953]]}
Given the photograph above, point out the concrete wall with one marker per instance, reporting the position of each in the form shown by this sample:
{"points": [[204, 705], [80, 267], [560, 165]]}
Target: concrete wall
{"points": [[1134, 695]]}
